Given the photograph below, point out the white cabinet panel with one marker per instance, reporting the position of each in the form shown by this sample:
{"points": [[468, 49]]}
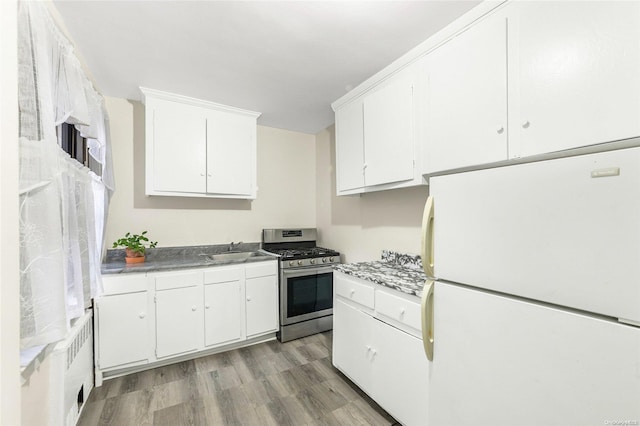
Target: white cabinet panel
{"points": [[400, 381], [350, 146], [351, 289], [499, 361], [467, 98], [223, 313], [352, 343], [498, 223], [231, 157], [179, 139], [179, 321], [578, 74], [123, 336], [399, 311], [389, 131], [196, 148], [262, 305]]}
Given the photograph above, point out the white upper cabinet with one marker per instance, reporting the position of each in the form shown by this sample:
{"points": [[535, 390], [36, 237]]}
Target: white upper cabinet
{"points": [[350, 150], [389, 131], [196, 148], [179, 133], [576, 74], [466, 117], [376, 139], [534, 78]]}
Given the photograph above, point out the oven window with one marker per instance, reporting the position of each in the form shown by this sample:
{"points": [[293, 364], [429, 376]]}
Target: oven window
{"points": [[309, 294]]}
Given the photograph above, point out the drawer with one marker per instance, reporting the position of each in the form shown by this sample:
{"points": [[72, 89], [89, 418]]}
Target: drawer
{"points": [[399, 309], [223, 275], [124, 283], [178, 280], [261, 269], [357, 292]]}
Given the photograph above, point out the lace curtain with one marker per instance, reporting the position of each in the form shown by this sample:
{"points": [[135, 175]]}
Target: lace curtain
{"points": [[63, 205]]}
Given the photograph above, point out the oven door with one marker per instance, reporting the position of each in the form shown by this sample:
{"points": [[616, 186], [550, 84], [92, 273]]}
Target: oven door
{"points": [[305, 294]]}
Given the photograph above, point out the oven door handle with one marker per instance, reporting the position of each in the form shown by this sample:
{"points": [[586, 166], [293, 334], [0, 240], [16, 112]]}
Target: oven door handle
{"points": [[307, 271]]}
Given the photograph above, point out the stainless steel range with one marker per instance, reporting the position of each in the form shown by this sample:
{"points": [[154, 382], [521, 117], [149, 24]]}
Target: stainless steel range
{"points": [[306, 281]]}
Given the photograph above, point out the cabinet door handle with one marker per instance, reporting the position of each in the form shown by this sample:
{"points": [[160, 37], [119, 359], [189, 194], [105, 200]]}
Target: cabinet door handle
{"points": [[207, 306], [500, 130], [352, 292], [201, 174], [401, 311], [248, 299], [209, 174], [373, 353], [141, 315], [193, 308], [525, 124]]}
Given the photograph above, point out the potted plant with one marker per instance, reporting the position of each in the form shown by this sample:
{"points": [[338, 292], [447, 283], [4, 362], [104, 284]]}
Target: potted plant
{"points": [[134, 246]]}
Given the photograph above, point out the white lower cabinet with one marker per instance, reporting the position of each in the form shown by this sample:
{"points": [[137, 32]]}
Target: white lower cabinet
{"points": [[352, 343], [386, 362], [143, 319], [223, 313], [178, 321], [262, 299], [124, 334]]}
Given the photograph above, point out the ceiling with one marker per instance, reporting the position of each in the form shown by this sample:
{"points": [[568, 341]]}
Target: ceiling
{"points": [[286, 59]]}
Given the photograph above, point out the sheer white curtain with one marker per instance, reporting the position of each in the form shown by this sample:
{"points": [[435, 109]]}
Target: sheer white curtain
{"points": [[63, 205]]}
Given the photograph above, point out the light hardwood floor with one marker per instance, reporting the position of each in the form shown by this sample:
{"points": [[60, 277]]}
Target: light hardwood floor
{"points": [[271, 383]]}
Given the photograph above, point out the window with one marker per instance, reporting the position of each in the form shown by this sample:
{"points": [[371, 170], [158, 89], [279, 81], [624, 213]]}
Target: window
{"points": [[72, 142]]}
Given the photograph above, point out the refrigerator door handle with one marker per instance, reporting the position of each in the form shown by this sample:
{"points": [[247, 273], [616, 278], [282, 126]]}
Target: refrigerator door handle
{"points": [[427, 238], [427, 319]]}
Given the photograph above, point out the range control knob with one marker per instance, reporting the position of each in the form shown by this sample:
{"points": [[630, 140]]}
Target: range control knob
{"points": [[291, 263], [299, 262], [324, 260], [331, 259], [312, 261]]}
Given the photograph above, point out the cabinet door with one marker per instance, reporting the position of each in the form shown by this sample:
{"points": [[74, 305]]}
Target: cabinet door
{"points": [[122, 329], [179, 147], [501, 361], [222, 313], [350, 146], [467, 98], [399, 362], [262, 305], [352, 347], [577, 78], [389, 132], [179, 321], [231, 160]]}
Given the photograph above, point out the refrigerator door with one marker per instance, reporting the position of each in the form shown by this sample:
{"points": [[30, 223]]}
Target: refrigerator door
{"points": [[563, 231], [503, 361]]}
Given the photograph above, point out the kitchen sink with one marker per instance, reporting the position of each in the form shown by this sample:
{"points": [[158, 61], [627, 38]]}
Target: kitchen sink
{"points": [[239, 256]]}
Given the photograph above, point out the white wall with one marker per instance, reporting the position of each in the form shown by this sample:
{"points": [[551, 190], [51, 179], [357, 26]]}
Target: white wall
{"points": [[9, 276], [361, 226], [286, 189]]}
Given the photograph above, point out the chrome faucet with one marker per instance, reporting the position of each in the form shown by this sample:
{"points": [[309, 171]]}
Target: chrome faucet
{"points": [[234, 246]]}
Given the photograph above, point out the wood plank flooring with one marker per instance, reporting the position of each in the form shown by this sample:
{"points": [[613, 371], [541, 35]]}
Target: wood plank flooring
{"points": [[272, 383]]}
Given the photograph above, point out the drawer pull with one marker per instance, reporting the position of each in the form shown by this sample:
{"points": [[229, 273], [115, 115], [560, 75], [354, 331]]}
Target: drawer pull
{"points": [[352, 292], [401, 312]]}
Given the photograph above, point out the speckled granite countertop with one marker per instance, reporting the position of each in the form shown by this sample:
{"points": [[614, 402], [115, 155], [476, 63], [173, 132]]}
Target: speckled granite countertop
{"points": [[401, 272], [168, 258]]}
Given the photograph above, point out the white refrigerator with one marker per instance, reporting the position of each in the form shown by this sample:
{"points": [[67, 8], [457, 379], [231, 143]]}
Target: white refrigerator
{"points": [[531, 315]]}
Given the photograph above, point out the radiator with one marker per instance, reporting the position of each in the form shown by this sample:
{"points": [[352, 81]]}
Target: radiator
{"points": [[72, 372]]}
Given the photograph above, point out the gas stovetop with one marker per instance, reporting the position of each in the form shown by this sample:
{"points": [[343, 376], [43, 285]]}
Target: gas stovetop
{"points": [[297, 248]]}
